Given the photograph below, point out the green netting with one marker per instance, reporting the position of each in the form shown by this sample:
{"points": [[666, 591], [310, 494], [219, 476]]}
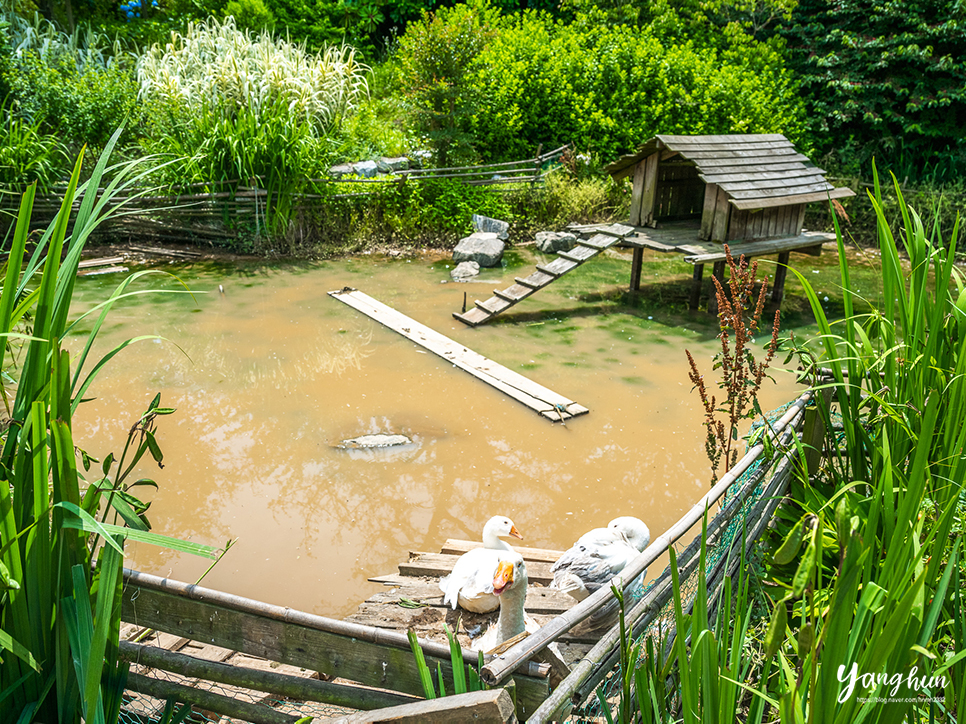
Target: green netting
{"points": [[591, 711]]}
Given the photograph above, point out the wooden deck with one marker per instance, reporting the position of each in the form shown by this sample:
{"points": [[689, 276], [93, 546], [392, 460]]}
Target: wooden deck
{"points": [[566, 261], [682, 237], [548, 403], [417, 582]]}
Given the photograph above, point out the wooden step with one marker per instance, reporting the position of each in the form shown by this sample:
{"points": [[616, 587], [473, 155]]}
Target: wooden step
{"points": [[458, 546], [473, 316], [538, 280], [599, 241], [621, 231], [558, 267], [493, 305], [437, 565], [528, 283], [579, 259], [514, 294]]}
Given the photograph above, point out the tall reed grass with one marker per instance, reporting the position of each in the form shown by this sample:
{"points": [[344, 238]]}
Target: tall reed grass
{"points": [[60, 568], [866, 573]]}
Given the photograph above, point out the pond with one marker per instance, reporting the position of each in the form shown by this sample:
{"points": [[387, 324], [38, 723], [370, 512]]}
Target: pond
{"points": [[271, 374]]}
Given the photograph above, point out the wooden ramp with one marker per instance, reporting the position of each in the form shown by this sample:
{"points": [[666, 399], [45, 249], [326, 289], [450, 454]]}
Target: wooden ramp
{"points": [[412, 599], [535, 396], [545, 275]]}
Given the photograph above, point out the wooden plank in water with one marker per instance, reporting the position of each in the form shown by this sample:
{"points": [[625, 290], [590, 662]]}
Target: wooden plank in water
{"points": [[551, 405], [439, 564], [104, 261]]}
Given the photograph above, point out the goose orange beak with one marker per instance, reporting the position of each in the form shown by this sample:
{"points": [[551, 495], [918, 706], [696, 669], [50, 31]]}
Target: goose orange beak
{"points": [[515, 533], [503, 577]]}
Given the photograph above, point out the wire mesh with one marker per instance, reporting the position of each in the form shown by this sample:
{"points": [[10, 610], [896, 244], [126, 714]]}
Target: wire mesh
{"points": [[142, 708]]}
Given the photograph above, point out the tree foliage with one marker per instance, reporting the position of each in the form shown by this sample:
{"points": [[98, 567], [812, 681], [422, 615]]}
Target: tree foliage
{"points": [[886, 78]]}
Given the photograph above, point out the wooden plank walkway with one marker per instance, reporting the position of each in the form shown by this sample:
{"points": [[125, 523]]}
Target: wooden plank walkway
{"points": [[412, 598], [548, 403], [545, 275]]}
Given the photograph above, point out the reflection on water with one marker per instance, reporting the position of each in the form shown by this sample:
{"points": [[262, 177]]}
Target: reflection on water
{"points": [[270, 376]]}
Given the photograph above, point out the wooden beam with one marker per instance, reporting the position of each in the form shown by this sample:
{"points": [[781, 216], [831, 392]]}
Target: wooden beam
{"points": [[293, 687], [649, 193], [365, 654], [637, 191], [535, 396], [766, 202], [719, 223], [696, 281], [803, 243], [781, 271], [486, 707]]}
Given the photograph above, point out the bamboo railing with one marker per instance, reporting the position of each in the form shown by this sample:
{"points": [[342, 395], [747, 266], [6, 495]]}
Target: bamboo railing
{"points": [[592, 669]]}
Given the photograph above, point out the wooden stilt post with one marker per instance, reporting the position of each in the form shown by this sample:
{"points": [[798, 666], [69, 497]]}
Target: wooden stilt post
{"points": [[636, 263], [719, 267], [697, 279], [781, 272]]}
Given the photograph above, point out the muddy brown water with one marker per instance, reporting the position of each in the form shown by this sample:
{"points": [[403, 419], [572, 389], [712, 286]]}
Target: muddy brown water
{"points": [[270, 375]]}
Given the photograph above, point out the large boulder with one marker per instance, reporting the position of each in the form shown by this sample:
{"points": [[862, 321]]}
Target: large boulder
{"points": [[397, 163], [343, 169], [485, 248], [465, 270], [366, 169], [493, 226], [550, 242]]}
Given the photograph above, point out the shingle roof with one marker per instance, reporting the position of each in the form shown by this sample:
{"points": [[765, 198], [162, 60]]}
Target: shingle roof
{"points": [[755, 170]]}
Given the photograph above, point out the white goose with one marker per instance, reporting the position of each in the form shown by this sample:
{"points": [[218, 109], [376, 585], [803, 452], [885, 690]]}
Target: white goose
{"points": [[471, 583], [509, 584], [599, 555]]}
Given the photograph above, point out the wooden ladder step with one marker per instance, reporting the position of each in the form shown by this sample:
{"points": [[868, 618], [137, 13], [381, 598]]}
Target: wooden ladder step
{"points": [[514, 294], [579, 255], [599, 241], [493, 305], [621, 231], [473, 317], [558, 267], [530, 283]]}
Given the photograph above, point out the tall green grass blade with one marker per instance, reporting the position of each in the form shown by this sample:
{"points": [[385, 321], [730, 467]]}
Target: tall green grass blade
{"points": [[425, 677]]}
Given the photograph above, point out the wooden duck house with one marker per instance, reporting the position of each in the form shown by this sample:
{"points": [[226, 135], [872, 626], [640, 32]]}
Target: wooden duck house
{"points": [[742, 187]]}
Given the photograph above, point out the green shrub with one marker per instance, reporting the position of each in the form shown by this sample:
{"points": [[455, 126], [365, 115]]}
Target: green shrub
{"points": [[607, 89], [83, 104], [250, 14], [26, 155], [436, 57], [885, 80]]}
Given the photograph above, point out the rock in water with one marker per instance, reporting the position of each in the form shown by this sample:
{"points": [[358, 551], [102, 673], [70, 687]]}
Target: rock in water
{"points": [[550, 242], [493, 226], [464, 270], [374, 441], [485, 248]]}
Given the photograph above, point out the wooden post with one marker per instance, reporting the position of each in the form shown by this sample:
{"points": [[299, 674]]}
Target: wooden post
{"points": [[637, 191], [707, 214], [722, 210], [649, 193], [636, 263], [718, 273], [781, 272], [697, 279]]}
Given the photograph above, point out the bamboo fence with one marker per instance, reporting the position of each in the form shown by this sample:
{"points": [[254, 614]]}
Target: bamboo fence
{"points": [[218, 211]]}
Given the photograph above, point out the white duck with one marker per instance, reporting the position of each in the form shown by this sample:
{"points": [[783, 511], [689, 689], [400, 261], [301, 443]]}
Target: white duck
{"points": [[598, 556], [471, 583], [509, 584]]}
